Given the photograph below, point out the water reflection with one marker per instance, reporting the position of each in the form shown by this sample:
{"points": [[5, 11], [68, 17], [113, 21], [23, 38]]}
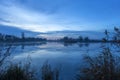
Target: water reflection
{"points": [[70, 57], [79, 44], [22, 44]]}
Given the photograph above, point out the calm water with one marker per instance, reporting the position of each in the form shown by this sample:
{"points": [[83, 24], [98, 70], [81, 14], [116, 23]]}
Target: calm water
{"points": [[67, 57]]}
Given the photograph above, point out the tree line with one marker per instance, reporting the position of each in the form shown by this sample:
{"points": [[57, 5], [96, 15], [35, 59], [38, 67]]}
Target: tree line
{"points": [[114, 37], [12, 38], [111, 37], [79, 39]]}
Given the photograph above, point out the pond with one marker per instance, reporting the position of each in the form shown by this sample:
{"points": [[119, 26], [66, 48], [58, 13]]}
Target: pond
{"points": [[67, 57]]}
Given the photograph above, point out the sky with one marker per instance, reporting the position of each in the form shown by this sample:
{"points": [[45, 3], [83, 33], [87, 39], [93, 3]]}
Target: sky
{"points": [[58, 15]]}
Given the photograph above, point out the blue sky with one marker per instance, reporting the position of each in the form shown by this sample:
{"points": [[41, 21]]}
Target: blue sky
{"points": [[57, 15]]}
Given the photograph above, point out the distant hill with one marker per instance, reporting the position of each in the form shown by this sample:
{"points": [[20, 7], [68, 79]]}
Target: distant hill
{"points": [[16, 31], [73, 34]]}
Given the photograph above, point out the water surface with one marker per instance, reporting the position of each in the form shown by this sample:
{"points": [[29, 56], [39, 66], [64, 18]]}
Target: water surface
{"points": [[67, 57]]}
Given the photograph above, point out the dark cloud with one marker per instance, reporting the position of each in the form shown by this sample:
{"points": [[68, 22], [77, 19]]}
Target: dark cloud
{"points": [[3, 20], [45, 6]]}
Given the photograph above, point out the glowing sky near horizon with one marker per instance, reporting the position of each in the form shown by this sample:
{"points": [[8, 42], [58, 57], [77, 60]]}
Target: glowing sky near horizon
{"points": [[57, 15]]}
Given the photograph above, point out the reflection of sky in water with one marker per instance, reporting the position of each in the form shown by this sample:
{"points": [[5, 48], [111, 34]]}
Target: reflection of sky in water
{"points": [[68, 57]]}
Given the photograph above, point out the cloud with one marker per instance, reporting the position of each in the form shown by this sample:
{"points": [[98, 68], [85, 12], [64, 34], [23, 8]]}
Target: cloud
{"points": [[46, 15], [21, 17]]}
